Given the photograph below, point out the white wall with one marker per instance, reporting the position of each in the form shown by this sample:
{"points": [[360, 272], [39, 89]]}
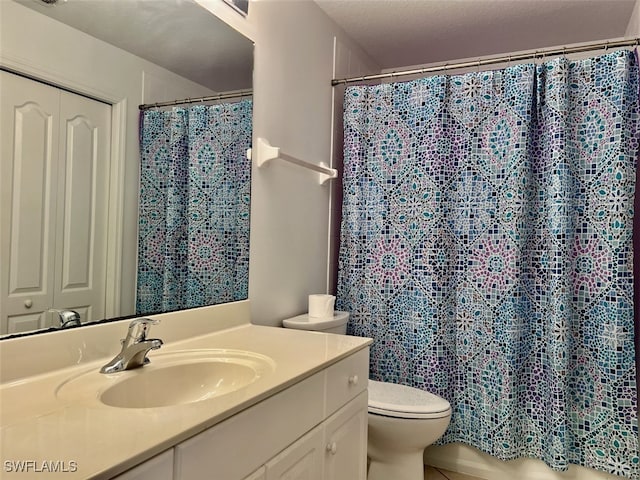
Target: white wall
{"points": [[633, 29], [294, 110], [35, 45]]}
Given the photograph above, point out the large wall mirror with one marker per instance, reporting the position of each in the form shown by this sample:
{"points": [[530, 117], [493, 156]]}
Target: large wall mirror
{"points": [[178, 35]]}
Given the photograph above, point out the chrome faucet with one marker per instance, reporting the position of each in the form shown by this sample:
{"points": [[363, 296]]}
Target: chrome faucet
{"points": [[68, 318], [134, 348]]}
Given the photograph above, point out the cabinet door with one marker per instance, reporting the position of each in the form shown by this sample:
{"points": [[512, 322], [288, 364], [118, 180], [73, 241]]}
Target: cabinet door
{"points": [[300, 461], [346, 442]]}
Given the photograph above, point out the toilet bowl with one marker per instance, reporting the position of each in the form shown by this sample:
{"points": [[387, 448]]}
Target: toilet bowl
{"points": [[402, 420]]}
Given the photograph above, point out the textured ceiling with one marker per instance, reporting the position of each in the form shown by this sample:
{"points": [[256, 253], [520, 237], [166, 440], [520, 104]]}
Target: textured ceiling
{"points": [[178, 35], [398, 33]]}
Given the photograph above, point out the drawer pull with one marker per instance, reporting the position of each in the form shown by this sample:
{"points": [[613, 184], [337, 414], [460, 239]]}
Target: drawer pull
{"points": [[332, 448], [353, 380], [28, 303]]}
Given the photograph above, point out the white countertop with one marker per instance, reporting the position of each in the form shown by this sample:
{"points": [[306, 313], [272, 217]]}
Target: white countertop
{"points": [[38, 426]]}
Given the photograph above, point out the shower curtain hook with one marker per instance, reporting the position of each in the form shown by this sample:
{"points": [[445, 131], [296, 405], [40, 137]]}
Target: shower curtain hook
{"points": [[478, 65]]}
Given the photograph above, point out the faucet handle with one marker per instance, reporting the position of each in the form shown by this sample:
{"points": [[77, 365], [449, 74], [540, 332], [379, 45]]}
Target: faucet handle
{"points": [[138, 330]]}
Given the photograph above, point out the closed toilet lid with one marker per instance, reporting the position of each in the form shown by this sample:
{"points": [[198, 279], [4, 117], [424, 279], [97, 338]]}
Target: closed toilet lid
{"points": [[402, 401]]}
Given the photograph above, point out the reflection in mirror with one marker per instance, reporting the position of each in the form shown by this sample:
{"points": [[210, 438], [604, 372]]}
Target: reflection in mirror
{"points": [[58, 263], [193, 246]]}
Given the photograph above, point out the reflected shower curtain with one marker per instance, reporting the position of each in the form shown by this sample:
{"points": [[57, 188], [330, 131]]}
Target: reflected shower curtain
{"points": [[193, 240], [486, 247]]}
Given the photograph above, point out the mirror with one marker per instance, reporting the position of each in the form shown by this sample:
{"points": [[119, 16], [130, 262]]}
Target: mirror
{"points": [[178, 35]]}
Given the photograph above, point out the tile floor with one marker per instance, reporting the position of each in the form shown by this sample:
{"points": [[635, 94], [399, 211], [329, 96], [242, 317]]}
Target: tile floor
{"points": [[432, 473]]}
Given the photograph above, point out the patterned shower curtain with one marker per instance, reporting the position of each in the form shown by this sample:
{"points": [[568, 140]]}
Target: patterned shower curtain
{"points": [[193, 240], [486, 248]]}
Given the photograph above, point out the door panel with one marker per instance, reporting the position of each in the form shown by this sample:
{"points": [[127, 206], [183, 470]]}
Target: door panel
{"points": [[78, 222], [81, 247], [346, 441], [28, 151], [54, 178], [300, 461], [24, 323]]}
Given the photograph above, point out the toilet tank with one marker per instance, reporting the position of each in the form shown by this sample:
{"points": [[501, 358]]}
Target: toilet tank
{"points": [[335, 324]]}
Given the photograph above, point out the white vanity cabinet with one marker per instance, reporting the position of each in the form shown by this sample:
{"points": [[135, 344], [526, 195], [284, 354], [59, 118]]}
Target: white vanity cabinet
{"points": [[335, 450], [345, 441], [304, 414], [300, 461], [159, 467], [316, 429]]}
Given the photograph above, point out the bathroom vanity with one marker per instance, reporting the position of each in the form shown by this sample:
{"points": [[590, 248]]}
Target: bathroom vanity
{"points": [[301, 414]]}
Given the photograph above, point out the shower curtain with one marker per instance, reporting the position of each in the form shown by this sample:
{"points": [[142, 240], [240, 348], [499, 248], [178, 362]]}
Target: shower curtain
{"points": [[193, 240], [486, 248]]}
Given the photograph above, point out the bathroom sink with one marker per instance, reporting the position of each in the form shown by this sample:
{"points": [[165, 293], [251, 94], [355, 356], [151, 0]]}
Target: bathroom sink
{"points": [[171, 379]]}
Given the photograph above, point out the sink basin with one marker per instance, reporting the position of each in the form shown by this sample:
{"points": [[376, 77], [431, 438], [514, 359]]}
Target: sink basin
{"points": [[171, 379]]}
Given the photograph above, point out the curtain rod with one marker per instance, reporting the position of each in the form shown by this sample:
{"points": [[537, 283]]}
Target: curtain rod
{"points": [[549, 52], [219, 96]]}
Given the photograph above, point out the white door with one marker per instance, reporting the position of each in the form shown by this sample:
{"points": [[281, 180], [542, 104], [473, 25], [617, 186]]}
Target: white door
{"points": [[54, 149], [83, 186], [29, 134]]}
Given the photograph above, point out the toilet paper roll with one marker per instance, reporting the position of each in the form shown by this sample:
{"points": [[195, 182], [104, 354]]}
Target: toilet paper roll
{"points": [[321, 306]]}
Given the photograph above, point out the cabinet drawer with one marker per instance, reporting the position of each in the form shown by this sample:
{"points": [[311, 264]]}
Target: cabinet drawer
{"points": [[159, 467], [239, 445], [346, 379]]}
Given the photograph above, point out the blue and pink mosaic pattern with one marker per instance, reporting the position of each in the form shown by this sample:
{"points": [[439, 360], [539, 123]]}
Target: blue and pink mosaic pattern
{"points": [[486, 246], [193, 245]]}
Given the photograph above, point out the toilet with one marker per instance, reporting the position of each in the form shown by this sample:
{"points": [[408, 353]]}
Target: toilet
{"points": [[403, 420]]}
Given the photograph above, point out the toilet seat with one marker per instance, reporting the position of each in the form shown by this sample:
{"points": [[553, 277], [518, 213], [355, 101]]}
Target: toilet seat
{"points": [[402, 401]]}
